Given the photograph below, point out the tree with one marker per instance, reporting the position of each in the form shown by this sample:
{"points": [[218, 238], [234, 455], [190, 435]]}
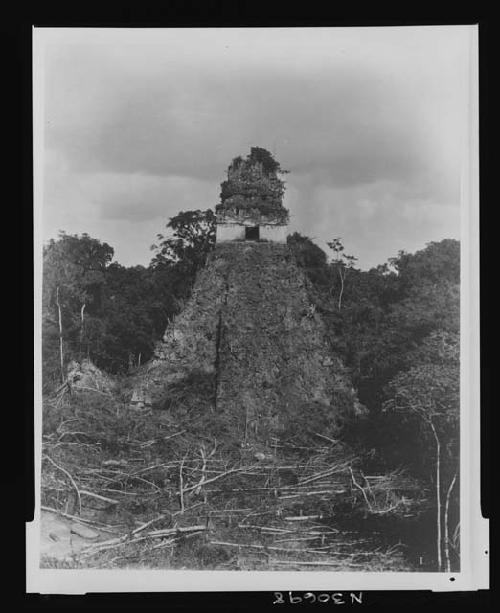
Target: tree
{"points": [[269, 164], [73, 280], [342, 263], [391, 310], [429, 393], [113, 314], [311, 258], [438, 262], [192, 239], [138, 304]]}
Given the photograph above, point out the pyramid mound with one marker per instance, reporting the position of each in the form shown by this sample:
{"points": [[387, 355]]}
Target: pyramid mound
{"points": [[249, 339], [250, 329]]}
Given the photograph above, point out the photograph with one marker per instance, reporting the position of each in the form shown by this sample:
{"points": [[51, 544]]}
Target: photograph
{"points": [[256, 328]]}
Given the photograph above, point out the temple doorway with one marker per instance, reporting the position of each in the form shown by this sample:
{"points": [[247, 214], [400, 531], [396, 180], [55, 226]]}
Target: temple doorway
{"points": [[252, 234]]}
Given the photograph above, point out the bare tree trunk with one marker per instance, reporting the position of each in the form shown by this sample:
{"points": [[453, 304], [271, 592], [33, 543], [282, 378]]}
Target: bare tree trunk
{"points": [[81, 328], [61, 355], [438, 496], [341, 288], [181, 484], [446, 537]]}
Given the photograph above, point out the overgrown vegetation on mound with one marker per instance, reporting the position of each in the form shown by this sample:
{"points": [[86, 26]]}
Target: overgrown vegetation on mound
{"points": [[273, 359], [249, 331]]}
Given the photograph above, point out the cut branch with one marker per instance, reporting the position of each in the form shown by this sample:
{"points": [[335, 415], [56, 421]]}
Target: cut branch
{"points": [[225, 474], [99, 497], [181, 485], [70, 478]]}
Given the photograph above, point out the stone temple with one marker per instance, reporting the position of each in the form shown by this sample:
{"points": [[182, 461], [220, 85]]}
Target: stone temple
{"points": [[251, 205], [249, 330]]}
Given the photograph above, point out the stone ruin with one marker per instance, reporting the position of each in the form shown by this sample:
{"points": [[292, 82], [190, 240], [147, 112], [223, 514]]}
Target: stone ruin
{"points": [[249, 326], [251, 206]]}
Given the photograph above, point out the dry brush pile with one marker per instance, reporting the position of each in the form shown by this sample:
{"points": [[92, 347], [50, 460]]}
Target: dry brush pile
{"points": [[171, 490]]}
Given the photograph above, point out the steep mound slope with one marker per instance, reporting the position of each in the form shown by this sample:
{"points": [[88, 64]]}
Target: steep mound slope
{"points": [[250, 327], [273, 360]]}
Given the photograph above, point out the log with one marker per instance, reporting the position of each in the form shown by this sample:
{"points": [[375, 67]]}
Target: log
{"points": [[313, 563], [266, 547], [149, 523], [301, 494], [168, 531], [303, 517], [128, 539], [99, 497]]}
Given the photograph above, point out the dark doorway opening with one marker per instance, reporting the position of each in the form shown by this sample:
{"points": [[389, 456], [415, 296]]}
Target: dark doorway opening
{"points": [[252, 234]]}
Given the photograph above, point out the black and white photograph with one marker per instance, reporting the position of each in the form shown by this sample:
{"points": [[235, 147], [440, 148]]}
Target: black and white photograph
{"points": [[256, 308]]}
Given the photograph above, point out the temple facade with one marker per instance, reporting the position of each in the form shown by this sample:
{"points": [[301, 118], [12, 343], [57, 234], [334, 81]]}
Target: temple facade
{"points": [[251, 207]]}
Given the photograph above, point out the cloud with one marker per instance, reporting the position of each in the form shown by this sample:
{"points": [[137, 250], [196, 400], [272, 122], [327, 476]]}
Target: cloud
{"points": [[139, 197], [374, 222], [368, 121], [345, 126]]}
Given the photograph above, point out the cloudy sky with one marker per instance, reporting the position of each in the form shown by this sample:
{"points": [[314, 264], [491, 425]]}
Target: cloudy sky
{"points": [[138, 125]]}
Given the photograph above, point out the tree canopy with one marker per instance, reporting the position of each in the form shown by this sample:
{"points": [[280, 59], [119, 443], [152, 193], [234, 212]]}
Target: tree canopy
{"points": [[191, 239], [98, 309]]}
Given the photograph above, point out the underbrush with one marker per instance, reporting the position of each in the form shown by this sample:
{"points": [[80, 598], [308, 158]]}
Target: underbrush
{"points": [[176, 489]]}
